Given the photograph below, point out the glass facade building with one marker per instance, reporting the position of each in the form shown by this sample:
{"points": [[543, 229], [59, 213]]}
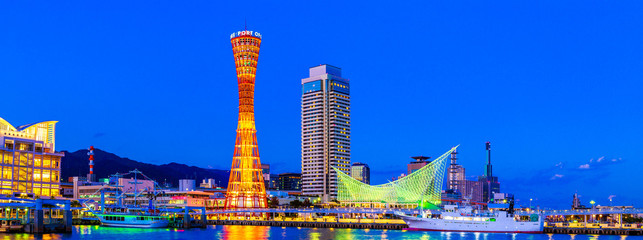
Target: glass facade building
{"points": [[361, 172], [325, 131], [289, 182], [29, 161]]}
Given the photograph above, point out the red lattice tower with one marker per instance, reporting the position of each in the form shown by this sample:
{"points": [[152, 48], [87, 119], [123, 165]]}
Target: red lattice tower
{"points": [[246, 187]]}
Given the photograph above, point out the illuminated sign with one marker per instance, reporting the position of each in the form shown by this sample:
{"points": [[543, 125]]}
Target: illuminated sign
{"points": [[245, 33]]}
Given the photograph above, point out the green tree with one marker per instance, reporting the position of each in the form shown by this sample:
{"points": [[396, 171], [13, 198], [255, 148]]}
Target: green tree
{"points": [[307, 203], [295, 203], [273, 202]]}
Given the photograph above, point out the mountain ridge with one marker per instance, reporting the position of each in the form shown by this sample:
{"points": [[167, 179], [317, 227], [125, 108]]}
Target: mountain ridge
{"points": [[105, 163]]}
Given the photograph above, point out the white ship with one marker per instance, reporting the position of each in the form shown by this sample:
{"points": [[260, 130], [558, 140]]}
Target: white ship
{"points": [[134, 216], [133, 220], [464, 219]]}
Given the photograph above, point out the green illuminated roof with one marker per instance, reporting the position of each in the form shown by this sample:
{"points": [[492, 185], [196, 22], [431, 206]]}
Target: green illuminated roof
{"points": [[425, 184]]}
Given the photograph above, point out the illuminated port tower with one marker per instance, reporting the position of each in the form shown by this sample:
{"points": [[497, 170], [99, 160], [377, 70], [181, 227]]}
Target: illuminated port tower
{"points": [[246, 187]]}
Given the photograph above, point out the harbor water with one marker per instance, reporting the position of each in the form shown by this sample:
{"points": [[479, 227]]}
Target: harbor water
{"points": [[263, 232]]}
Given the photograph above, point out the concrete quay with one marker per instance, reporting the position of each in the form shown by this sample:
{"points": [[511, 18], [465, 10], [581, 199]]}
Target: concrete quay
{"points": [[593, 231]]}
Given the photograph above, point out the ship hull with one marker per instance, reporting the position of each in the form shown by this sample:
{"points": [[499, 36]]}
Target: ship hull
{"points": [[444, 230], [150, 225], [424, 224]]}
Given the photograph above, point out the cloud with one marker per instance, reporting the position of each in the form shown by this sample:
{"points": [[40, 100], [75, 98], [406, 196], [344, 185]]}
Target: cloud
{"points": [[574, 175], [557, 176]]}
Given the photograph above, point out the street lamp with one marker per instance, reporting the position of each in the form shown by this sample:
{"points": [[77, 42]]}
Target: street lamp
{"points": [[592, 202], [530, 202]]}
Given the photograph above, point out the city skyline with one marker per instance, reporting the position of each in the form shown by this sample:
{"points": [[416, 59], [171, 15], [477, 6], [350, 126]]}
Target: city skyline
{"points": [[559, 94]]}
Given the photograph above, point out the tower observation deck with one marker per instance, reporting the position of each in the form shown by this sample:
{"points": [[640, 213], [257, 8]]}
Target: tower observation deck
{"points": [[246, 186]]}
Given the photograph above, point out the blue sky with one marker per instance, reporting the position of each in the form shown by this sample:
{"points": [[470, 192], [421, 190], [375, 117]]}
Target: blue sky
{"points": [[554, 85]]}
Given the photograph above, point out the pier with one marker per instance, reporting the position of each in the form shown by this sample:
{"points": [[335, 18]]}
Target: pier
{"points": [[594, 230], [35, 216]]}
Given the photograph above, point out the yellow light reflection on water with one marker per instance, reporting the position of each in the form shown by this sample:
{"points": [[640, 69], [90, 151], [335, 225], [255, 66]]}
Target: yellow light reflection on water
{"points": [[551, 236], [314, 235], [245, 232]]}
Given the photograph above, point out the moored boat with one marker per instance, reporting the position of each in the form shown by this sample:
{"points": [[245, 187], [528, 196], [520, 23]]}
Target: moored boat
{"points": [[133, 220], [465, 219], [133, 216]]}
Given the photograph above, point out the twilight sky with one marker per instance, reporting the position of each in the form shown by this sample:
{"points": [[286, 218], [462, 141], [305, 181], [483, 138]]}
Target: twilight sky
{"points": [[554, 85]]}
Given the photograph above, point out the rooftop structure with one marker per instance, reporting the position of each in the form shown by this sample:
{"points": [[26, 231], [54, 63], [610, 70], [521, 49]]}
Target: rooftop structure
{"points": [[420, 161]]}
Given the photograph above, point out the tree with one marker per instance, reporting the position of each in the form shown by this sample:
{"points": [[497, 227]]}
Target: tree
{"points": [[75, 203], [307, 203], [295, 203], [273, 202]]}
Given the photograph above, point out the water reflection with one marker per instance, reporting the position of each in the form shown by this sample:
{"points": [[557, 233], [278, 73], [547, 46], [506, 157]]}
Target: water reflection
{"points": [[236, 232], [264, 232]]}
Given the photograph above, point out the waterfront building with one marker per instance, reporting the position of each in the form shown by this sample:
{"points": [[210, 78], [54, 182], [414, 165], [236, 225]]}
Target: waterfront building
{"points": [[502, 197], [66, 189], [176, 199], [420, 162], [472, 190], [246, 187], [187, 184], [29, 161], [289, 182], [85, 190], [325, 131], [423, 185], [208, 183], [274, 181], [91, 193], [265, 170], [361, 172], [456, 173], [180, 199]]}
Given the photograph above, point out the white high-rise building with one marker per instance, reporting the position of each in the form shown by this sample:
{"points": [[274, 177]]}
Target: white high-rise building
{"points": [[325, 130]]}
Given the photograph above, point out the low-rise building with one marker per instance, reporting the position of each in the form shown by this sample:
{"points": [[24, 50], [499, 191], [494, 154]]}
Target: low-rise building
{"points": [[289, 182], [187, 184], [28, 160]]}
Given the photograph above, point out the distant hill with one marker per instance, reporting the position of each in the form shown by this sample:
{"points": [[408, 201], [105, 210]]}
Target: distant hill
{"points": [[105, 163]]}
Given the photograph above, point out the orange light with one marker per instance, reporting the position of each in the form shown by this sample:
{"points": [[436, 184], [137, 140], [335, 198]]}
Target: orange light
{"points": [[246, 187]]}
